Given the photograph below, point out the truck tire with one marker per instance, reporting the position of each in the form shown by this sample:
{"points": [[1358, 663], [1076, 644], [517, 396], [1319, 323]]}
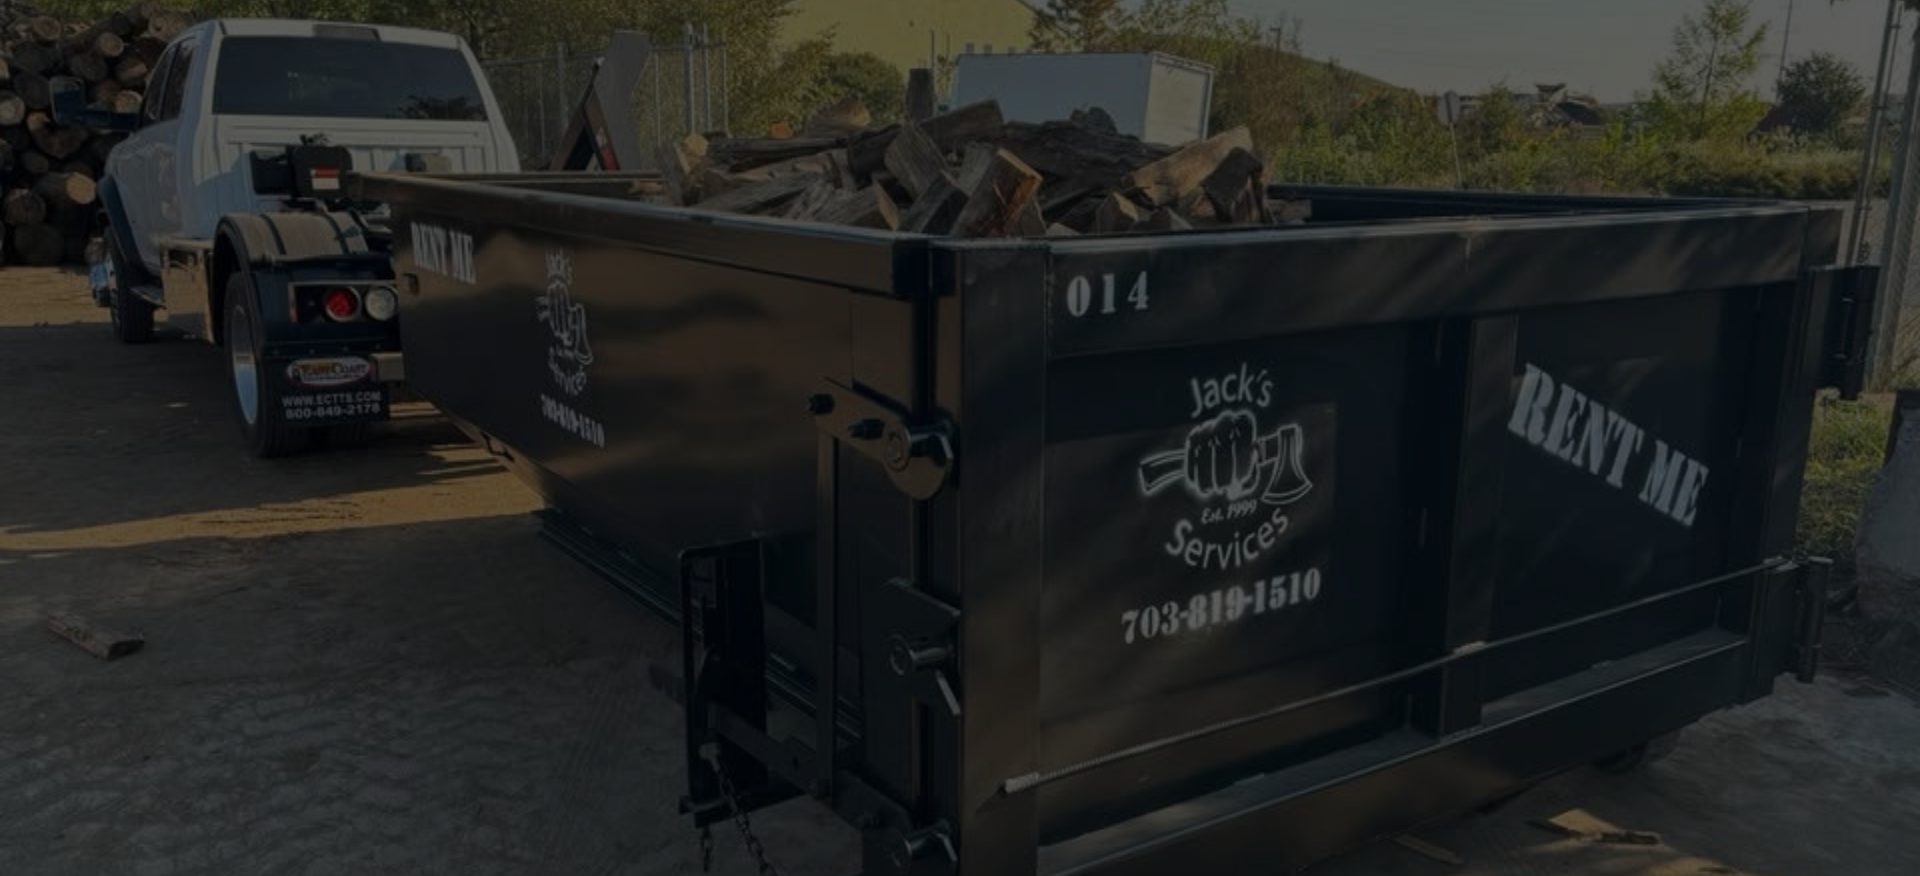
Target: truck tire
{"points": [[256, 402], [132, 315]]}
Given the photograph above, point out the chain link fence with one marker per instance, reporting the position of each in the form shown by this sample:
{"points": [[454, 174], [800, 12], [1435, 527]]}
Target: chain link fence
{"points": [[682, 89], [1894, 241], [1890, 236]]}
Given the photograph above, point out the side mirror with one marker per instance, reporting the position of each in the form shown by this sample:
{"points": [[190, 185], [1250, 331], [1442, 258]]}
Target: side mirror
{"points": [[70, 108]]}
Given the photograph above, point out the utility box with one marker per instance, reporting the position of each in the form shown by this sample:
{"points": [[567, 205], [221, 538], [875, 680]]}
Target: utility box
{"points": [[1156, 97]]}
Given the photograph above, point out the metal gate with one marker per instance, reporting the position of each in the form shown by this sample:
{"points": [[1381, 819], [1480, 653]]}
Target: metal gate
{"points": [[682, 89]]}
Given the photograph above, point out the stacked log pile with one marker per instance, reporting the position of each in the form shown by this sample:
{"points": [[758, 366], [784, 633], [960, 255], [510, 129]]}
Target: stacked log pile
{"points": [[48, 170], [970, 173]]}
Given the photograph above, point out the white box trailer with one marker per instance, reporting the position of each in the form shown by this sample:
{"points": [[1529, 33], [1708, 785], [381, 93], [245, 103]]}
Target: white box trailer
{"points": [[1156, 97]]}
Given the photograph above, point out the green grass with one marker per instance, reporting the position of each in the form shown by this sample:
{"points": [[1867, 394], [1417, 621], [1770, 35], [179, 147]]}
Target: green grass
{"points": [[1849, 443]]}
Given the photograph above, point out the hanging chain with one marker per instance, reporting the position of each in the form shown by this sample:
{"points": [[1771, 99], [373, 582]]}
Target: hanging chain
{"points": [[706, 848], [711, 754]]}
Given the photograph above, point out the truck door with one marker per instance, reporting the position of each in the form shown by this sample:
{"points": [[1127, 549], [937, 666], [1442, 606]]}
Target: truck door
{"points": [[148, 174]]}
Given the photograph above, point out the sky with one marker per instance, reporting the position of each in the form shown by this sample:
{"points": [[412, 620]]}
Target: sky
{"points": [[1607, 48]]}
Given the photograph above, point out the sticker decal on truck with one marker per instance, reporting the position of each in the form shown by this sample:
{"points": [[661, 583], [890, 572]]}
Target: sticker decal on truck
{"points": [[330, 372], [1240, 474]]}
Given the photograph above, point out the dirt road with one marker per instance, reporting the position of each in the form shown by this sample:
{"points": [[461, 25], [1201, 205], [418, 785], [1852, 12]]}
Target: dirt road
{"points": [[367, 662]]}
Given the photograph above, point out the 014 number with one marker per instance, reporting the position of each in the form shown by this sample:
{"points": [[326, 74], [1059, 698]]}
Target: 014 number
{"points": [[1084, 300]]}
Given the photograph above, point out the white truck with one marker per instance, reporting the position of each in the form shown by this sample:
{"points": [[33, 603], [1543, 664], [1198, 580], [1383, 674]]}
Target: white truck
{"points": [[225, 209]]}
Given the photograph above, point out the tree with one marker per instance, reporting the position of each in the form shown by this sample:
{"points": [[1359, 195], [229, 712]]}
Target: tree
{"points": [[1701, 90], [1817, 94], [1074, 25]]}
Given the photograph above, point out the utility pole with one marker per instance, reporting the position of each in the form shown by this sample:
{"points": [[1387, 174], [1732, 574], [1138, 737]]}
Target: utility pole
{"points": [[1786, 40]]}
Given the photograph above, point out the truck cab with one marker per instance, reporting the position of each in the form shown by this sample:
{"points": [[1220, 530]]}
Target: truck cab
{"points": [[225, 211]]}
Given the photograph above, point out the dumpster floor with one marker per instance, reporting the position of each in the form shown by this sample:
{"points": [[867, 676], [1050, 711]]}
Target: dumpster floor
{"points": [[368, 662]]}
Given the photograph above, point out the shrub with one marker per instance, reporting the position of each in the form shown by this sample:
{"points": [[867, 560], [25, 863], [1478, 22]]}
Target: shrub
{"points": [[1848, 445]]}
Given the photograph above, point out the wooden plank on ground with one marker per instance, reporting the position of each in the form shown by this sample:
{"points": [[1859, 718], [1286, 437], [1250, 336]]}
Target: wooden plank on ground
{"points": [[102, 642]]}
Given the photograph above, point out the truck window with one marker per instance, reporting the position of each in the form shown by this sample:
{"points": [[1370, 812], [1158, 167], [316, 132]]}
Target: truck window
{"points": [[151, 108], [175, 89], [344, 78]]}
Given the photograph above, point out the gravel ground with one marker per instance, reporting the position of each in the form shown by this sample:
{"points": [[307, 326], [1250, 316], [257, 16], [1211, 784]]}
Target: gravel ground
{"points": [[367, 662]]}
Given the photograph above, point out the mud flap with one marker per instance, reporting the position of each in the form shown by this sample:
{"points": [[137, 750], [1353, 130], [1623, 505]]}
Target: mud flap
{"points": [[328, 391]]}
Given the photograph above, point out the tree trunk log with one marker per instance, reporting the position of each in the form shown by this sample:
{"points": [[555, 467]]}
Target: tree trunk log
{"points": [[31, 57], [45, 28], [23, 207], [65, 190], [33, 88], [56, 141], [167, 25], [13, 110], [88, 66], [39, 244], [109, 45], [147, 49], [131, 72]]}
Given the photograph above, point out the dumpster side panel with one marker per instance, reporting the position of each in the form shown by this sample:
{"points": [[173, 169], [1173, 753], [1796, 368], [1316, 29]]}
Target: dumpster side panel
{"points": [[668, 390], [1619, 466], [1222, 530]]}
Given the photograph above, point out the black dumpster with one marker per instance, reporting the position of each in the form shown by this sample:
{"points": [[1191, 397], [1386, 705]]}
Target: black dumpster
{"points": [[1221, 550]]}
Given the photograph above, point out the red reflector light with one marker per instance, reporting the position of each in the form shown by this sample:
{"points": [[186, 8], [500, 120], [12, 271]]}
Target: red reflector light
{"points": [[341, 304]]}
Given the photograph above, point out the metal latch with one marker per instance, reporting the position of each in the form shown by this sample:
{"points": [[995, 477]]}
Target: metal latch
{"points": [[1810, 588], [920, 650], [917, 456]]}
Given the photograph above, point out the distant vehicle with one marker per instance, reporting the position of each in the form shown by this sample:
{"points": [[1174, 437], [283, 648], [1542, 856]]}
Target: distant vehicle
{"points": [[1151, 95], [225, 208]]}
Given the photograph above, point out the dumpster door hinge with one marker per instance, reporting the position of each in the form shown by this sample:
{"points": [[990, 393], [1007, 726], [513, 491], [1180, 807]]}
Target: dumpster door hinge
{"points": [[917, 456], [1847, 294]]}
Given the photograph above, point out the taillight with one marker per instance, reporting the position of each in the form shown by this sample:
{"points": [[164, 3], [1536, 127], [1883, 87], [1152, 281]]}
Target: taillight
{"points": [[381, 303], [341, 304]]}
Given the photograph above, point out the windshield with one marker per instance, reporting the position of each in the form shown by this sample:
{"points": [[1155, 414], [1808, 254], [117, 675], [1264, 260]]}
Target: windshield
{"points": [[344, 78]]}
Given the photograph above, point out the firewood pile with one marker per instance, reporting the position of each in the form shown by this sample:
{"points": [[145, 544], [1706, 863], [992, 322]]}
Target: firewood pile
{"points": [[47, 170], [970, 173]]}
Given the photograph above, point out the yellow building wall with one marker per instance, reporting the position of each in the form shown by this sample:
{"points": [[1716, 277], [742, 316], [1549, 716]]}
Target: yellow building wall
{"points": [[908, 32]]}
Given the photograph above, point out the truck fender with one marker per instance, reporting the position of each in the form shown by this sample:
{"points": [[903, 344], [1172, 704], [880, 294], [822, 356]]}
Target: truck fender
{"points": [[260, 241], [123, 234]]}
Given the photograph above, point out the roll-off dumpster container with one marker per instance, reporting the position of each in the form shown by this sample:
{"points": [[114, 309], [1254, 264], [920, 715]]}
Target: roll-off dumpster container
{"points": [[1221, 551]]}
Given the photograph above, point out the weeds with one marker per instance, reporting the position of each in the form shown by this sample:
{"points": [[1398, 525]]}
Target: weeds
{"points": [[1848, 445]]}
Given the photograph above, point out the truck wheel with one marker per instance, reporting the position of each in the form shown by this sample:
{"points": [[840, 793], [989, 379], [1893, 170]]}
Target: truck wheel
{"points": [[132, 315], [256, 402]]}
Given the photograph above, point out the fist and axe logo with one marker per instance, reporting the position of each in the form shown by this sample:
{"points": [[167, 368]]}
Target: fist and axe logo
{"points": [[1228, 458], [568, 353]]}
